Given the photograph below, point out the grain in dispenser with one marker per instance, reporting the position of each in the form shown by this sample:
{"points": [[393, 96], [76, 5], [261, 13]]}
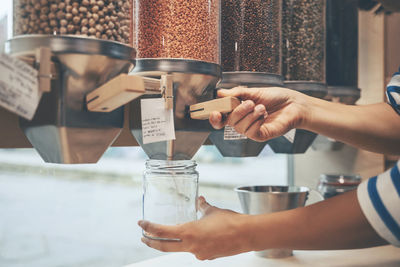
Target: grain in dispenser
{"points": [[177, 29], [102, 19], [250, 36], [180, 39], [303, 40]]}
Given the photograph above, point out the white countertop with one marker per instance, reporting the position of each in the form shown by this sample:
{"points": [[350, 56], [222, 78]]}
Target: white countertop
{"points": [[386, 256]]}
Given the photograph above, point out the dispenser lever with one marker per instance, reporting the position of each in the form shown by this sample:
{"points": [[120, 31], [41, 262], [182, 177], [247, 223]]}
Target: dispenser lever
{"points": [[202, 111], [115, 93]]}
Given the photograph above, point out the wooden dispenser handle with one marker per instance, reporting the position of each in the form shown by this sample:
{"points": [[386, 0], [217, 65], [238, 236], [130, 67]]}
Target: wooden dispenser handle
{"points": [[120, 91], [202, 111]]}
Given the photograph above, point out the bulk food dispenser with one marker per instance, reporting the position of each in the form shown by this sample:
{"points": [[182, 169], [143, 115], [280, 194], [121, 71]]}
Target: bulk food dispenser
{"points": [[250, 57], [82, 44], [303, 62], [180, 39], [341, 59]]}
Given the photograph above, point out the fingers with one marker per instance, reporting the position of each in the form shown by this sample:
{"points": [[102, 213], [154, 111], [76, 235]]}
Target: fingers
{"points": [[253, 132], [242, 93], [216, 120], [161, 231], [245, 123], [240, 112], [165, 246]]}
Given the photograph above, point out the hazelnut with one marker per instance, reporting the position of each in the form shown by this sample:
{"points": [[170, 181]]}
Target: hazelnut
{"points": [[76, 19], [63, 22]]}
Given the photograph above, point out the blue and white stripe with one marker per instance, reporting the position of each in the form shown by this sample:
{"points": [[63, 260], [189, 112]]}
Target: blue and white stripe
{"points": [[379, 198], [393, 92]]}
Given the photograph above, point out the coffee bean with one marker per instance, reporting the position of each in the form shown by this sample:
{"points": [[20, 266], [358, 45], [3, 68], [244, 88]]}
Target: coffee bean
{"points": [[177, 29], [251, 35], [86, 17], [303, 40]]}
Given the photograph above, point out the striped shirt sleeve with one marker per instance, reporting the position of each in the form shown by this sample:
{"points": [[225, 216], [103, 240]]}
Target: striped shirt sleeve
{"points": [[379, 198], [393, 92]]}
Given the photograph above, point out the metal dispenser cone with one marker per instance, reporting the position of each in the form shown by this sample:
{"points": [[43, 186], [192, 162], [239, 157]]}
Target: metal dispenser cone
{"points": [[298, 140], [63, 130], [235, 145], [193, 82]]}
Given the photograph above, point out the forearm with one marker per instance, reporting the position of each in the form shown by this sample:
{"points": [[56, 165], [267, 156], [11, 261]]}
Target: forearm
{"points": [[336, 223], [371, 127]]}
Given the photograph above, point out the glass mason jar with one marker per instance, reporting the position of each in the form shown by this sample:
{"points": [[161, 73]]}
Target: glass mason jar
{"points": [[250, 34], [170, 190], [331, 185], [303, 40], [177, 29], [102, 19], [342, 43]]}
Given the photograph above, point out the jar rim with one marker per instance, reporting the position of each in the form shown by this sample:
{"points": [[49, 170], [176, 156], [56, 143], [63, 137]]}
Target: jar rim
{"points": [[340, 179], [170, 164]]}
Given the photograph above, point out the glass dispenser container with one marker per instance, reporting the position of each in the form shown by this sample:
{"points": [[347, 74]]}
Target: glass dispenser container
{"points": [[170, 190], [342, 51], [341, 60], [303, 40], [102, 19], [251, 35], [177, 29], [342, 43]]}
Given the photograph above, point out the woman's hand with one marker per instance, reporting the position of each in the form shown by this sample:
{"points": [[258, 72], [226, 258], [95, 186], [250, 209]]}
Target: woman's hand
{"points": [[265, 113], [218, 233]]}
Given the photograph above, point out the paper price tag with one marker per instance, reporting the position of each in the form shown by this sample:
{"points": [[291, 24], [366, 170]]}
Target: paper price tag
{"points": [[290, 135], [19, 89], [157, 122], [231, 134]]}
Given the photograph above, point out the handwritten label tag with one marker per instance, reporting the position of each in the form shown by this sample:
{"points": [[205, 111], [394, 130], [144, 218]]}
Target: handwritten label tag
{"points": [[231, 134], [19, 89], [290, 135], [157, 122]]}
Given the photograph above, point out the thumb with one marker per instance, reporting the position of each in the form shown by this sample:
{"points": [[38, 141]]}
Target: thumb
{"points": [[243, 93], [204, 207]]}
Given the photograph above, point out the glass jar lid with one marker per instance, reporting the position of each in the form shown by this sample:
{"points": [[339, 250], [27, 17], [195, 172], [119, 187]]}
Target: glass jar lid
{"points": [[340, 179]]}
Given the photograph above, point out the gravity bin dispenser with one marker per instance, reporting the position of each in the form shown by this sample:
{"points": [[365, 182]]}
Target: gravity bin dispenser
{"points": [[250, 57], [87, 45], [341, 60], [179, 59], [303, 62], [63, 130], [185, 47]]}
